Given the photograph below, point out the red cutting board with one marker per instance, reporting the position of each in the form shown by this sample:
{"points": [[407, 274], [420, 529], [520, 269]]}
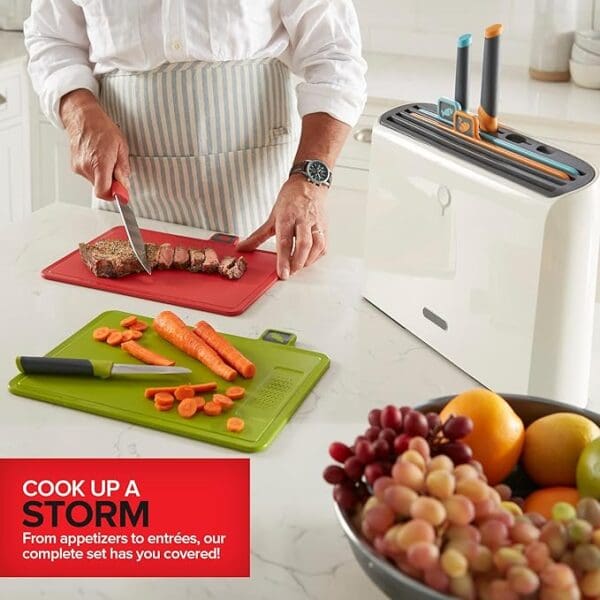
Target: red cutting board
{"points": [[202, 291]]}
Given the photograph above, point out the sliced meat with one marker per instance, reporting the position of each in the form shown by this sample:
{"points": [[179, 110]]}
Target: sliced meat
{"points": [[233, 268], [166, 253], [152, 255], [115, 258], [110, 258], [181, 258], [211, 261], [196, 260]]}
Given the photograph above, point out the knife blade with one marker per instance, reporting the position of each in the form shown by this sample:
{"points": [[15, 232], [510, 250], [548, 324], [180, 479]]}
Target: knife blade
{"points": [[134, 234], [46, 365]]}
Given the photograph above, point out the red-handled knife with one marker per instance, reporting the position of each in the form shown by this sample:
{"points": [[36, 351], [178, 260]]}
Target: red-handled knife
{"points": [[121, 196]]}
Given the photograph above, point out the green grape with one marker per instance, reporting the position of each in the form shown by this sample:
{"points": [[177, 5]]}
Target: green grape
{"points": [[506, 557], [579, 531], [454, 563], [523, 580], [463, 587], [429, 509], [563, 511]]}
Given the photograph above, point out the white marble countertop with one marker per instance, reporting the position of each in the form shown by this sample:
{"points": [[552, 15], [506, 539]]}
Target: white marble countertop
{"points": [[298, 550], [425, 79]]}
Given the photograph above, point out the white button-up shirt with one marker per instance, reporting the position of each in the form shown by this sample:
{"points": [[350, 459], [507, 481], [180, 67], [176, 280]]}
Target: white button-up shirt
{"points": [[72, 42]]}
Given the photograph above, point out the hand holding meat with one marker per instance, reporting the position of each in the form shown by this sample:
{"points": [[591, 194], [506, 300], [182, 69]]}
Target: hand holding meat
{"points": [[299, 222], [99, 150]]}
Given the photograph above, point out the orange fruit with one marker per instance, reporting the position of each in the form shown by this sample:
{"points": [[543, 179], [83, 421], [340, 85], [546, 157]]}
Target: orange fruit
{"points": [[553, 445], [542, 501], [498, 432]]}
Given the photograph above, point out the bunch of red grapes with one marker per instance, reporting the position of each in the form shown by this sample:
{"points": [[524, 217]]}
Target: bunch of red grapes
{"points": [[389, 433]]}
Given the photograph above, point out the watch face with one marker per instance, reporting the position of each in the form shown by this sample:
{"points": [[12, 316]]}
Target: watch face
{"points": [[318, 171]]}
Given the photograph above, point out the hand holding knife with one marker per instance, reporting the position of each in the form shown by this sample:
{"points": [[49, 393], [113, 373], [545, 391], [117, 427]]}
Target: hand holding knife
{"points": [[121, 197]]}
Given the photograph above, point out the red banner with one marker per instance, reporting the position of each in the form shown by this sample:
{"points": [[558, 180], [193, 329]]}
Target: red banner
{"points": [[124, 518]]}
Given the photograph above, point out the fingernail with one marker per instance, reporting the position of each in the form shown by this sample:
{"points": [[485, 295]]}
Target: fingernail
{"points": [[285, 274]]}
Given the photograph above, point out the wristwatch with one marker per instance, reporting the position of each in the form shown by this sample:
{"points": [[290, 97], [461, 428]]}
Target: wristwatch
{"points": [[315, 171]]}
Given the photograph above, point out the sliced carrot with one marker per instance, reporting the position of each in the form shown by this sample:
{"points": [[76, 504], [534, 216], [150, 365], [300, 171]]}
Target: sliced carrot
{"points": [[225, 402], [184, 391], [170, 327], [235, 392], [200, 402], [164, 399], [187, 408], [135, 334], [145, 355], [211, 386], [235, 424], [163, 408], [139, 326], [212, 409], [129, 321], [114, 338], [225, 350], [127, 335], [101, 334]]}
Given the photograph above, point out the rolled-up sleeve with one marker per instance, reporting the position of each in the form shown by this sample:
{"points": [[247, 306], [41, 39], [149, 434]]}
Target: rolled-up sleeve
{"points": [[326, 52], [58, 47]]}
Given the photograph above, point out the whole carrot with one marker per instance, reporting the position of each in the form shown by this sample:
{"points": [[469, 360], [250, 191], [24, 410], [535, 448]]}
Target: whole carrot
{"points": [[225, 350], [171, 328]]}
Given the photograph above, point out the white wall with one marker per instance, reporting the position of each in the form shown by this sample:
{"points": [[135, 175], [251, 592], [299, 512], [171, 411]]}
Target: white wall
{"points": [[430, 27]]}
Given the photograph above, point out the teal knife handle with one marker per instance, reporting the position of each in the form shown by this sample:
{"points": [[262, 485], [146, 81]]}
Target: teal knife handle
{"points": [[45, 365], [279, 337]]}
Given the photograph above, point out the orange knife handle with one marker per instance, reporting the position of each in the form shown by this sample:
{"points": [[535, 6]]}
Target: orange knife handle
{"points": [[118, 189]]}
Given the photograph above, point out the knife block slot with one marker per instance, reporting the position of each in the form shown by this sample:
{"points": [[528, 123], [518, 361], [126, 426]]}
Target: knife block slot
{"points": [[545, 150], [516, 138], [403, 121]]}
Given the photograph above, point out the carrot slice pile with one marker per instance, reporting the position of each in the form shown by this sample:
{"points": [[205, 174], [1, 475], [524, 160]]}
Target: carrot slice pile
{"points": [[170, 327], [212, 409], [225, 402], [129, 321], [187, 408], [225, 350], [145, 355], [114, 338], [235, 424], [163, 401], [101, 334], [211, 386], [200, 402], [184, 391], [139, 326], [235, 392]]}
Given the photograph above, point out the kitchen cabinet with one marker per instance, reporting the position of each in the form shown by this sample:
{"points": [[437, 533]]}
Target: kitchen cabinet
{"points": [[15, 143], [59, 182], [13, 174]]}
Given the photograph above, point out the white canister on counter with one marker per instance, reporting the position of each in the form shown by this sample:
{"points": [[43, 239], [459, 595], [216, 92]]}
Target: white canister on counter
{"points": [[552, 39]]}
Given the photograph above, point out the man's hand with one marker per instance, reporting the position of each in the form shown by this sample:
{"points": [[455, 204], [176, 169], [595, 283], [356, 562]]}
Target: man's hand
{"points": [[99, 150], [299, 222]]}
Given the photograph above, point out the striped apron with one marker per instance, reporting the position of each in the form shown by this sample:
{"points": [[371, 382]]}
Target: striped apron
{"points": [[210, 143]]}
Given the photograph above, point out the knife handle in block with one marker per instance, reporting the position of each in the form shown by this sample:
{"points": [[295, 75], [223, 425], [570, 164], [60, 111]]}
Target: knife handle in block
{"points": [[118, 189], [488, 108], [44, 365]]}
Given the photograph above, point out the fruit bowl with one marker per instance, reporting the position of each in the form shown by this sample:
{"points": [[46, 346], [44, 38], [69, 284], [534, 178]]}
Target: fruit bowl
{"points": [[390, 580]]}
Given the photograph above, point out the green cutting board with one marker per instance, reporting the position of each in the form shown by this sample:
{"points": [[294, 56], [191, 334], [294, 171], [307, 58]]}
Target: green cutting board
{"points": [[284, 377]]}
